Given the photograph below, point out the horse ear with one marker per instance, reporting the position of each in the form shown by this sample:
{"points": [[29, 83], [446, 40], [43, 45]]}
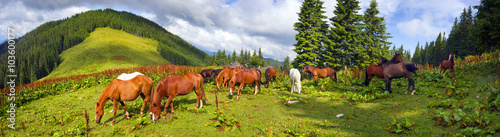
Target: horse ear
{"points": [[97, 103]]}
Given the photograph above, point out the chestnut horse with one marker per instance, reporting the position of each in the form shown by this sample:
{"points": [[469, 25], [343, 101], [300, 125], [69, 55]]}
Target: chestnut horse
{"points": [[251, 76], [173, 86], [403, 69], [127, 87], [270, 74], [320, 73], [447, 64], [376, 70], [225, 75]]}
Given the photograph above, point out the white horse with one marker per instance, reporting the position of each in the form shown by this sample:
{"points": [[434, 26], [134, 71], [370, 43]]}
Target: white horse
{"points": [[295, 79]]}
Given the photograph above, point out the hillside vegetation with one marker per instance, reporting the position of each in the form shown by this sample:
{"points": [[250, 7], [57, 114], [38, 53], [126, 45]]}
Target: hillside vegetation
{"points": [[37, 52], [105, 49]]}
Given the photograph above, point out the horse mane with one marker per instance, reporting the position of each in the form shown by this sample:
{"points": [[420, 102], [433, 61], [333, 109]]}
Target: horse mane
{"points": [[393, 60]]}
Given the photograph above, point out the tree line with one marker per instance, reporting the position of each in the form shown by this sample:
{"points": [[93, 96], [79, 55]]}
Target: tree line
{"points": [[245, 57], [37, 52], [356, 41], [469, 35]]}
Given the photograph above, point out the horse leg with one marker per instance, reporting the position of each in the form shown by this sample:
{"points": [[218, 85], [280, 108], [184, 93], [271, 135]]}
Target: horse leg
{"points": [[198, 96], [125, 109], [239, 90], [115, 106], [316, 81], [145, 99], [292, 85], [166, 105], [388, 85], [412, 83]]}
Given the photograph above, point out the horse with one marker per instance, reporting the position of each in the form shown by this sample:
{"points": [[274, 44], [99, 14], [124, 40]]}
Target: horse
{"points": [[295, 80], [270, 74], [207, 73], [251, 76], [173, 86], [225, 75], [320, 73], [376, 70], [447, 64], [373, 71], [127, 87], [403, 69]]}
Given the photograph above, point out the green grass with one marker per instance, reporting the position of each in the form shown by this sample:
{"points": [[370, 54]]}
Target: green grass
{"points": [[258, 115], [105, 49]]}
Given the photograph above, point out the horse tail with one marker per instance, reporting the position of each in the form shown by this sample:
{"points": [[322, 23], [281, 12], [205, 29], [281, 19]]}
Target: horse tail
{"points": [[366, 77], [202, 88], [411, 67], [335, 73]]}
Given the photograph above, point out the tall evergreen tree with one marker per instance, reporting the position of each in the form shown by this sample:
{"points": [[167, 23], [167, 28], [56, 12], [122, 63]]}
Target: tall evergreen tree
{"points": [[344, 45], [286, 64], [235, 57], [375, 35], [416, 56], [310, 28], [487, 29]]}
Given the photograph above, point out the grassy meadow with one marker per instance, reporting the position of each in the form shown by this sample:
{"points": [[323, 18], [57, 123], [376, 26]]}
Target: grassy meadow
{"points": [[367, 111], [108, 48]]}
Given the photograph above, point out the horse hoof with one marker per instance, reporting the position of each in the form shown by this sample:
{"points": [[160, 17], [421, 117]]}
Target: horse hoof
{"points": [[405, 92], [413, 92]]}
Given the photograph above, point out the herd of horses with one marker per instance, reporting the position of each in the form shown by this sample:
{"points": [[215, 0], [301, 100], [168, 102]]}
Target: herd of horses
{"points": [[128, 87]]}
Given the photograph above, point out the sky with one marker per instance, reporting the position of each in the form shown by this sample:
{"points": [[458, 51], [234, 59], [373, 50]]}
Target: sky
{"points": [[213, 25]]}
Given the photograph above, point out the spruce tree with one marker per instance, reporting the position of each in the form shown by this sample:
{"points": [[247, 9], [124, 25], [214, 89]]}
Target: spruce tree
{"points": [[311, 29], [487, 30], [344, 47], [375, 36]]}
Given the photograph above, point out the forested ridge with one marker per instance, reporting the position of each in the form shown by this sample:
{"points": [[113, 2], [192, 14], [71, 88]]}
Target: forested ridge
{"points": [[37, 52]]}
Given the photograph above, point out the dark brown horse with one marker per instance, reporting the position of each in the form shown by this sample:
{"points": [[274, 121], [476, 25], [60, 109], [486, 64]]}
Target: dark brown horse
{"points": [[225, 75], [376, 70], [403, 69], [251, 76], [448, 64], [320, 73], [207, 73], [270, 75], [127, 87], [173, 86]]}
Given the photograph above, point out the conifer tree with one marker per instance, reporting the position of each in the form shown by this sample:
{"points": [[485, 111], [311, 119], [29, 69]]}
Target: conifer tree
{"points": [[310, 28], [375, 36]]}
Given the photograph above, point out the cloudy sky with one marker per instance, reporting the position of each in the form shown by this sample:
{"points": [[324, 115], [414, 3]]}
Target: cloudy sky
{"points": [[235, 24]]}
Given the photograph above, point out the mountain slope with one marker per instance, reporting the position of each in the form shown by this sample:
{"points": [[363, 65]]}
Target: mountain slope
{"points": [[105, 49], [37, 52]]}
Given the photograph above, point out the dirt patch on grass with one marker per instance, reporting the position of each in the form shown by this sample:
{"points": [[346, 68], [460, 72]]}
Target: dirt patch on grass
{"points": [[120, 58]]}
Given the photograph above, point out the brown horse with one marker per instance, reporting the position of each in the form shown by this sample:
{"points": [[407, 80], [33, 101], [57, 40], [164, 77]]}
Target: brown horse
{"points": [[376, 70], [403, 69], [173, 86], [245, 77], [320, 73], [270, 74], [447, 64], [373, 71], [207, 73], [225, 75], [124, 89]]}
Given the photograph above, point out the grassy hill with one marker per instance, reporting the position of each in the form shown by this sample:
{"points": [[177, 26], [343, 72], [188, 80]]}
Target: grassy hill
{"points": [[38, 51], [108, 48]]}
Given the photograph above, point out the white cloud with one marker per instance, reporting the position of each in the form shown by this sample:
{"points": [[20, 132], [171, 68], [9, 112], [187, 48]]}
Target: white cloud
{"points": [[148, 15]]}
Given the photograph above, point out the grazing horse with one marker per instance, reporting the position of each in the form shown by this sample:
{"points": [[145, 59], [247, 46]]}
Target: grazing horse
{"points": [[270, 74], [173, 86], [376, 70], [225, 75], [295, 80], [447, 64], [207, 73], [320, 73], [251, 76], [403, 69], [126, 87]]}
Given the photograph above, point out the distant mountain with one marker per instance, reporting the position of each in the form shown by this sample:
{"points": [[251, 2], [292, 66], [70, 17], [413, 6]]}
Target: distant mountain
{"points": [[37, 52]]}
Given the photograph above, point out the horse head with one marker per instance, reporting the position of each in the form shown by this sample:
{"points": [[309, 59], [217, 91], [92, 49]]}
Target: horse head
{"points": [[307, 68], [396, 59], [99, 112], [383, 61], [155, 110]]}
